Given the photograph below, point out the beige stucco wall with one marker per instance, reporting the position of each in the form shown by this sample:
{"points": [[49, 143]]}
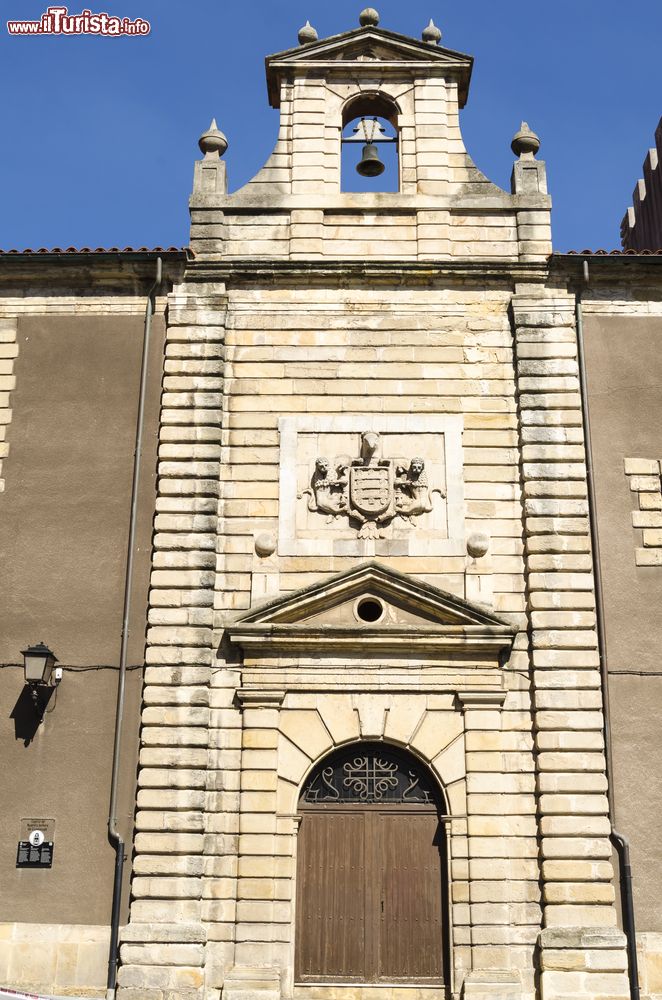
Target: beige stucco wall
{"points": [[67, 473], [624, 380], [64, 517]]}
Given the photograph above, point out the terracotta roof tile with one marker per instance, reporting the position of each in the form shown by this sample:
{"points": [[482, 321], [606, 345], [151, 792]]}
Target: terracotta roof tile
{"points": [[95, 250], [609, 253]]}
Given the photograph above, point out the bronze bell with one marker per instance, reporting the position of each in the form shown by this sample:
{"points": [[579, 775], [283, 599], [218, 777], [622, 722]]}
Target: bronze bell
{"points": [[370, 165]]}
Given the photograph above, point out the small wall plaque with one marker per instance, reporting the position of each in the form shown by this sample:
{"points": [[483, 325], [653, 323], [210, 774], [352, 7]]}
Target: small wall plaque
{"points": [[35, 848], [33, 855]]}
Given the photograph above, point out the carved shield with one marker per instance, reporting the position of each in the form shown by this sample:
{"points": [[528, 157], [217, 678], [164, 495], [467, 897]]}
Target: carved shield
{"points": [[371, 488]]}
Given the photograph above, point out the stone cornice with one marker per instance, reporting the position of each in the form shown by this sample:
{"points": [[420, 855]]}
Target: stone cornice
{"points": [[246, 202], [241, 269], [362, 641], [606, 268], [124, 271]]}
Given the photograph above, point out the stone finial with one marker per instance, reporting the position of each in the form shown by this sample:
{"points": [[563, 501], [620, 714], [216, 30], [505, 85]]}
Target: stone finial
{"points": [[212, 142], [307, 34], [369, 18], [477, 544], [431, 34], [525, 142], [265, 544]]}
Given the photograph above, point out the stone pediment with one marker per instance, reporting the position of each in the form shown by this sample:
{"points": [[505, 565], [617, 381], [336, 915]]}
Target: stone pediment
{"points": [[371, 48], [376, 608]]}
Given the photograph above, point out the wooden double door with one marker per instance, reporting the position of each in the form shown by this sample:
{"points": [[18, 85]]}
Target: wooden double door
{"points": [[370, 895]]}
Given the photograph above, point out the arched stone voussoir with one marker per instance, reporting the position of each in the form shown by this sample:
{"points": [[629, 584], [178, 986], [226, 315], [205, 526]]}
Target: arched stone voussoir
{"points": [[305, 729], [404, 718], [436, 731], [450, 764], [340, 717], [287, 797], [456, 797], [293, 763], [372, 711]]}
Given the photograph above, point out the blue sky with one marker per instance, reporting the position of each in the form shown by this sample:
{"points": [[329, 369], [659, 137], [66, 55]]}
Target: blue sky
{"points": [[100, 134]]}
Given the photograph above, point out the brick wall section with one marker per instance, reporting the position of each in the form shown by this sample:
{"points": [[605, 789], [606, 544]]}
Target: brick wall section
{"points": [[573, 810], [162, 949], [8, 355]]}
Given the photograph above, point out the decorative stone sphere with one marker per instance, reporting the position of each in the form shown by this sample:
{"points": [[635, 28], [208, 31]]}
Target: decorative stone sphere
{"points": [[525, 141], [369, 18], [477, 544], [307, 34], [431, 34], [213, 141], [265, 544]]}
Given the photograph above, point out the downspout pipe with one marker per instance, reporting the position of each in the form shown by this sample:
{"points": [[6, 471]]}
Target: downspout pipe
{"points": [[113, 831], [619, 841]]}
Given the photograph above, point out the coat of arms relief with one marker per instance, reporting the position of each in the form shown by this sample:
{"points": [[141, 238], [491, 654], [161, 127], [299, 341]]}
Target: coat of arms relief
{"points": [[370, 491]]}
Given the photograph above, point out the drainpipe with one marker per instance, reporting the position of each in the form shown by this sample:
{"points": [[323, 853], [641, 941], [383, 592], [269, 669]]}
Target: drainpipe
{"points": [[113, 832], [619, 841]]}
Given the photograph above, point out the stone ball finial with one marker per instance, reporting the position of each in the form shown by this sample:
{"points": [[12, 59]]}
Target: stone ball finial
{"points": [[478, 544], [431, 34], [525, 142], [265, 544], [369, 18], [307, 34], [213, 142]]}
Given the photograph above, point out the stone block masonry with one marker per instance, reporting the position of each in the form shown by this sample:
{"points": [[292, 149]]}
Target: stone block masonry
{"points": [[646, 486], [162, 949], [70, 959], [573, 813], [8, 355]]}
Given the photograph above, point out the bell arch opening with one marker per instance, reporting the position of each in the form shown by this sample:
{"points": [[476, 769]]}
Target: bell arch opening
{"points": [[372, 871], [370, 158]]}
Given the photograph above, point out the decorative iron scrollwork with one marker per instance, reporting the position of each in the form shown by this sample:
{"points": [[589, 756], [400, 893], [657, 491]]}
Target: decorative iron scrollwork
{"points": [[369, 773], [370, 777]]}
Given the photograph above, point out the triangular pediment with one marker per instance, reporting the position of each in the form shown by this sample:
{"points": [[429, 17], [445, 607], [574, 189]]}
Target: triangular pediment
{"points": [[376, 604], [369, 47]]}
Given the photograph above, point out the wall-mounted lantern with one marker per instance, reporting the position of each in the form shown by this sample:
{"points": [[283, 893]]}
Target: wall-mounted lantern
{"points": [[38, 665]]}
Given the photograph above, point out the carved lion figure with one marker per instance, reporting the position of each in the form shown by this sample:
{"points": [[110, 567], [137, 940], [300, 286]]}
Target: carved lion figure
{"points": [[412, 492]]}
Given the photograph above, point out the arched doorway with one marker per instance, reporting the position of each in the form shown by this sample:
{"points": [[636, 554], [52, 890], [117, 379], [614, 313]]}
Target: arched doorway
{"points": [[371, 871]]}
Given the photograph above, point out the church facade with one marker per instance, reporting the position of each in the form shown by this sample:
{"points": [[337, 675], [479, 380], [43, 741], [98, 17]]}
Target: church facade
{"points": [[407, 518]]}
